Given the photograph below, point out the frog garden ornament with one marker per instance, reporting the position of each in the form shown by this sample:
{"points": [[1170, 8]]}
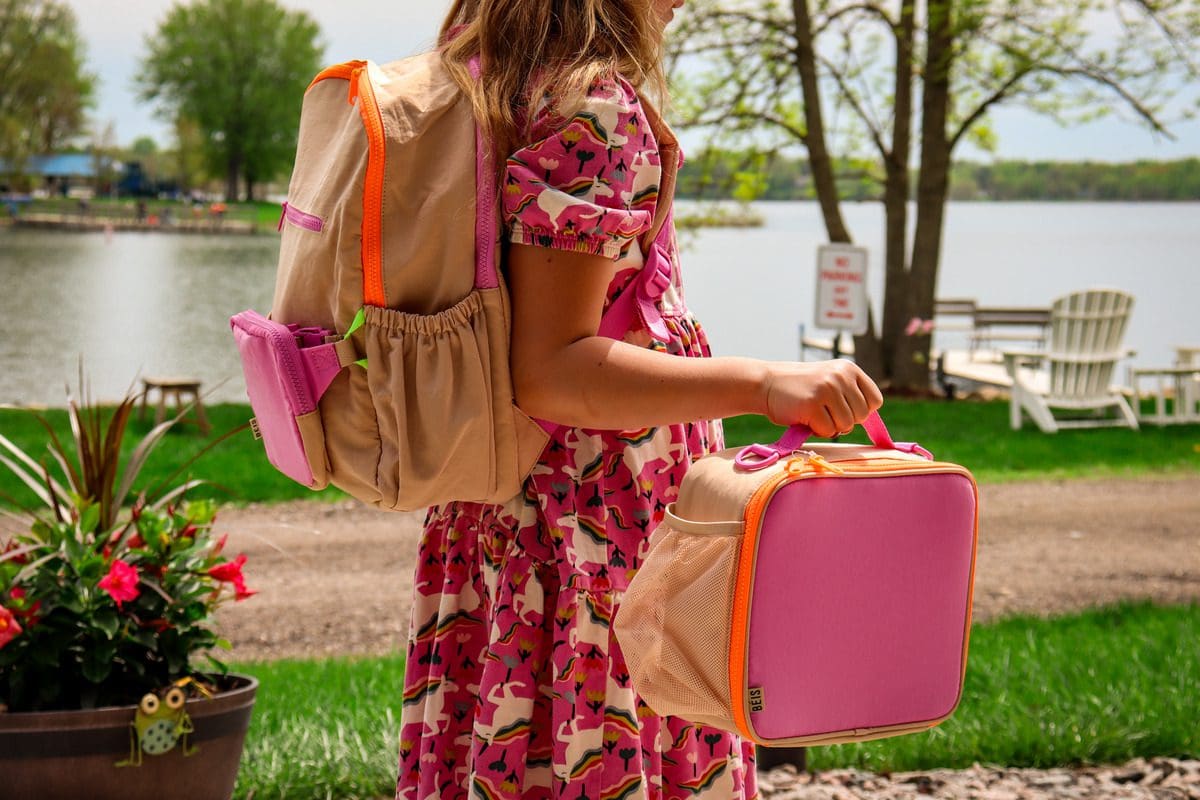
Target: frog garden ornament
{"points": [[158, 724]]}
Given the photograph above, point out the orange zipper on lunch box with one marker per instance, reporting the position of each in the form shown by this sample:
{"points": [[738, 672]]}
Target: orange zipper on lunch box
{"points": [[796, 469], [361, 89]]}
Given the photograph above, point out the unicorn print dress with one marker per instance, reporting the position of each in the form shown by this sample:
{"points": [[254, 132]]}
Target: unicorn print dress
{"points": [[515, 686]]}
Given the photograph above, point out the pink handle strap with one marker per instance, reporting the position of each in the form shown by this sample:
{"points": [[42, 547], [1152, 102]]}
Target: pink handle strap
{"points": [[759, 456]]}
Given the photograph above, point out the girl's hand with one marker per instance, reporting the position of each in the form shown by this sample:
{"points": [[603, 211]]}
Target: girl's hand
{"points": [[830, 397]]}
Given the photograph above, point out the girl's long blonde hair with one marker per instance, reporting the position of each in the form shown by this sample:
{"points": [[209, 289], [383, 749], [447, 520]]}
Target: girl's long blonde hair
{"points": [[534, 48]]}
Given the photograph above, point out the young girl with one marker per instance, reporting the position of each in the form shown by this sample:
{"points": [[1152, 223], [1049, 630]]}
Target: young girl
{"points": [[515, 686]]}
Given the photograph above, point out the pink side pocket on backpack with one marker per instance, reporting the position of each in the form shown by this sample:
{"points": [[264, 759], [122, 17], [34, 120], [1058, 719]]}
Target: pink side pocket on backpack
{"points": [[284, 384]]}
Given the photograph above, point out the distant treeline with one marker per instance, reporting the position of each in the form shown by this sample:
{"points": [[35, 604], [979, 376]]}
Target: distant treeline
{"points": [[717, 175]]}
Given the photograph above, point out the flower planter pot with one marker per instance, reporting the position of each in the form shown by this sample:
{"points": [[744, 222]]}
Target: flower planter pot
{"points": [[69, 755]]}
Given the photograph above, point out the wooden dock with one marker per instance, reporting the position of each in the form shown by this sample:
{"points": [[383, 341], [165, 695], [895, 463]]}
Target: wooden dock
{"points": [[974, 368]]}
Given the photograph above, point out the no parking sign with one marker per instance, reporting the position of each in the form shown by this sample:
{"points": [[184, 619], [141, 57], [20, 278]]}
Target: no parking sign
{"points": [[842, 288]]}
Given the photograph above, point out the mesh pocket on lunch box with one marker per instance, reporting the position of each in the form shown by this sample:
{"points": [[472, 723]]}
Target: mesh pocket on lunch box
{"points": [[674, 621]]}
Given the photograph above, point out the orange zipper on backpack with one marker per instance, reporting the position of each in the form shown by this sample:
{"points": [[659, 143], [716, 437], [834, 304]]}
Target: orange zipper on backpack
{"points": [[361, 89], [795, 469]]}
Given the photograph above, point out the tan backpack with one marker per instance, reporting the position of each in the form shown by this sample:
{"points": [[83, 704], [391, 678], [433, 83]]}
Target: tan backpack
{"points": [[382, 245]]}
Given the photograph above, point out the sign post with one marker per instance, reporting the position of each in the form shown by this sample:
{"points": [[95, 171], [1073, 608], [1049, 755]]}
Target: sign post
{"points": [[841, 290]]}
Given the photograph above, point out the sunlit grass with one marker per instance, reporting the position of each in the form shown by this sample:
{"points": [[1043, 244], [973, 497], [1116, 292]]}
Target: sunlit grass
{"points": [[1100, 687], [327, 728]]}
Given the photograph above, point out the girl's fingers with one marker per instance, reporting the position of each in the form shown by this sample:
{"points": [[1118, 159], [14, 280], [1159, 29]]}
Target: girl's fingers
{"points": [[870, 392], [825, 426], [859, 407], [840, 412]]}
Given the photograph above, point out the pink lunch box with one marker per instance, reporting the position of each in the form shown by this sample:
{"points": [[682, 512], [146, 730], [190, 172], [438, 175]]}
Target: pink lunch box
{"points": [[808, 594]]}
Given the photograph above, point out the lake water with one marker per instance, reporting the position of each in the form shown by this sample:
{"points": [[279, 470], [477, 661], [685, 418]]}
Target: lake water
{"points": [[156, 304]]}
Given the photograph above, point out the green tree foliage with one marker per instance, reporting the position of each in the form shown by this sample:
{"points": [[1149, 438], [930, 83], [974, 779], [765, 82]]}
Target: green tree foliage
{"points": [[237, 70], [899, 84], [144, 146], [44, 89], [1135, 181], [711, 175]]}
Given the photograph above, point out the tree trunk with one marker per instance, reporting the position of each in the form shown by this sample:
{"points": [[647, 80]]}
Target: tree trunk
{"points": [[825, 184], [895, 198], [912, 356], [819, 159], [233, 174]]}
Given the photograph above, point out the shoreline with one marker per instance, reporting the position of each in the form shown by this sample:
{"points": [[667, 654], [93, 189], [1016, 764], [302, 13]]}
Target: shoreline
{"points": [[69, 223]]}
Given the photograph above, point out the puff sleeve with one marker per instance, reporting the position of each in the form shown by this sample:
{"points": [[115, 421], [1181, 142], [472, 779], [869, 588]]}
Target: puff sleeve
{"points": [[588, 183]]}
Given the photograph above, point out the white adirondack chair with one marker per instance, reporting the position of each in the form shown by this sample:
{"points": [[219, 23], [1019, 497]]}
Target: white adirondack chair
{"points": [[1075, 370]]}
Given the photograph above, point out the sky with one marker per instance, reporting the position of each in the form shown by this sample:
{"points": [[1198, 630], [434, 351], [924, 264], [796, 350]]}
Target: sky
{"points": [[382, 30]]}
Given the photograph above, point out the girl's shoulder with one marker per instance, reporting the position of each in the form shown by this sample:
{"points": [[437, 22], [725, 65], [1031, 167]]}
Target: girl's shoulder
{"points": [[611, 108], [588, 180]]}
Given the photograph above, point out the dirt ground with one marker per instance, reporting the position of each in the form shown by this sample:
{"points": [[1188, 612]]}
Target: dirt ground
{"points": [[336, 579]]}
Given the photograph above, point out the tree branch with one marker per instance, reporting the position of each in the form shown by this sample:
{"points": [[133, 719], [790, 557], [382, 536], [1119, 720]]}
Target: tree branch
{"points": [[871, 8], [762, 116], [995, 97], [1121, 91], [1173, 38], [848, 94]]}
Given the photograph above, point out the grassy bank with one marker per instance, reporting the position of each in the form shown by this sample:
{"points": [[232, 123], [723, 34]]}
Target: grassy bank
{"points": [[262, 214], [1100, 687], [975, 434]]}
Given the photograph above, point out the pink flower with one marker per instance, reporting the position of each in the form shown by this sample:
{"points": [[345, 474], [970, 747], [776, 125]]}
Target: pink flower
{"points": [[917, 325], [26, 611], [9, 547], [121, 582], [9, 627], [231, 572]]}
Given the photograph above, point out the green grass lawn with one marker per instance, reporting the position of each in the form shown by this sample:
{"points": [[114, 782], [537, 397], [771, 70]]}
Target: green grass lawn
{"points": [[1100, 687], [974, 434]]}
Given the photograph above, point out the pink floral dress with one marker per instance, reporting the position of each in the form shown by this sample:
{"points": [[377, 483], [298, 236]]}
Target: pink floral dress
{"points": [[515, 686]]}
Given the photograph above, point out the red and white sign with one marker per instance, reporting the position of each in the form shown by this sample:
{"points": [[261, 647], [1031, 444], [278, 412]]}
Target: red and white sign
{"points": [[842, 288]]}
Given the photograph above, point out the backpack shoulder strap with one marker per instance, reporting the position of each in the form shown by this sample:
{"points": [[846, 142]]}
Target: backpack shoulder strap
{"points": [[668, 155], [639, 301], [487, 223]]}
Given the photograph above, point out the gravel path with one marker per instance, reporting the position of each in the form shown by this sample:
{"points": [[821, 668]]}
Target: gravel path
{"points": [[1157, 779], [336, 579]]}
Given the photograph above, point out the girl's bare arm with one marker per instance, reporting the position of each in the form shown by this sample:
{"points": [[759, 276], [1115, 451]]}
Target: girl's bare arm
{"points": [[565, 373]]}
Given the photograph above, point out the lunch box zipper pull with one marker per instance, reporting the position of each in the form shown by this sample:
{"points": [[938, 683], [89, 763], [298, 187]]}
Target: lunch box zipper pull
{"points": [[803, 460]]}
